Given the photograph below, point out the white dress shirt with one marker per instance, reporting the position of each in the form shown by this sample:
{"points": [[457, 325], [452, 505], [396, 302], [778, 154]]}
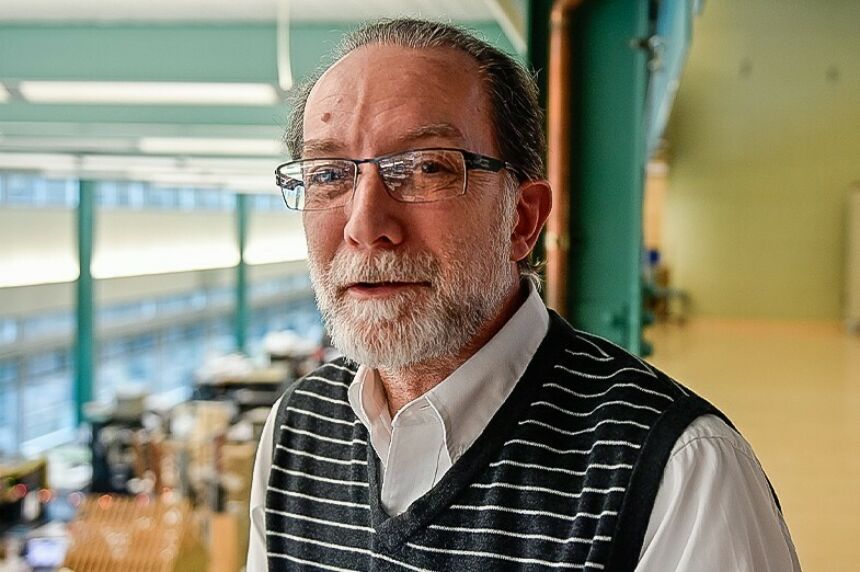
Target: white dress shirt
{"points": [[713, 511]]}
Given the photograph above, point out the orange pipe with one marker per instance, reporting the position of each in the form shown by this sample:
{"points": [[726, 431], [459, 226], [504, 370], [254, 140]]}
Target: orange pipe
{"points": [[557, 239]]}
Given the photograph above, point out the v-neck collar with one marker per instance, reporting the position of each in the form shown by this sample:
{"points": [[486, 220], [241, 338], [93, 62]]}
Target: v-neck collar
{"points": [[393, 531]]}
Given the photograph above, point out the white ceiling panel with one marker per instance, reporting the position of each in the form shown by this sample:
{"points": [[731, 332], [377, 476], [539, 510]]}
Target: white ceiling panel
{"points": [[233, 10]]}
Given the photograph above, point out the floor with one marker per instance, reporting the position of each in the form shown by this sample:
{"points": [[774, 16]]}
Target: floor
{"points": [[793, 389]]}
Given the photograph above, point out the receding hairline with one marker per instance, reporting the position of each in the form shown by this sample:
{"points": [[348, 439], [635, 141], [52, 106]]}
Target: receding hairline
{"points": [[508, 84], [388, 44], [416, 134]]}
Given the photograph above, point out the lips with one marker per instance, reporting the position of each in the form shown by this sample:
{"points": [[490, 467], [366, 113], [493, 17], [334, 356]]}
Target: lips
{"points": [[385, 283], [381, 288], [382, 274]]}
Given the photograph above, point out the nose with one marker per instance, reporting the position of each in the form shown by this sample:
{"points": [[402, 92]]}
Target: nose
{"points": [[373, 217]]}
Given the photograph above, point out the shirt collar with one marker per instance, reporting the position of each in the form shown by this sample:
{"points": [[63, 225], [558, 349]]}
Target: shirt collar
{"points": [[468, 398]]}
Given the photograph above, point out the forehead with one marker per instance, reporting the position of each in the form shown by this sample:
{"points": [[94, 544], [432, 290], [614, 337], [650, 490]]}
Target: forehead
{"points": [[377, 95]]}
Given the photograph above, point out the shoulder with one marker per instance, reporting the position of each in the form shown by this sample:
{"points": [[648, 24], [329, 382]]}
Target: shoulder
{"points": [[710, 460], [585, 358], [711, 431], [715, 505]]}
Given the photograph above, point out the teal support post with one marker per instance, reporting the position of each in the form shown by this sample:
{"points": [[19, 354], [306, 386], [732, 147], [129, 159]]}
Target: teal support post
{"points": [[85, 330], [241, 316], [537, 57], [537, 42], [608, 160]]}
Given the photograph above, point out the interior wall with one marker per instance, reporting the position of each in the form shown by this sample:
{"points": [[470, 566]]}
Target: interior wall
{"points": [[275, 236], [37, 245], [144, 242], [35, 241], [764, 144]]}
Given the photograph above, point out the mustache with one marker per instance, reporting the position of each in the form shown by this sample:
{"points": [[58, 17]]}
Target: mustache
{"points": [[385, 266]]}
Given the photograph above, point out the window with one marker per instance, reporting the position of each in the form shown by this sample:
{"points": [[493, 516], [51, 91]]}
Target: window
{"points": [[48, 325], [20, 190], [127, 312], [60, 192], [161, 198], [222, 296], [208, 199], [9, 376], [268, 203], [139, 195], [8, 330], [24, 190], [46, 403], [186, 199]]}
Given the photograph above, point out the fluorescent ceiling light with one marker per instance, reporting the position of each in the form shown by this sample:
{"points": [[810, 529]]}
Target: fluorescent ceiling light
{"points": [[232, 181], [148, 92], [172, 178], [240, 175], [145, 165], [206, 146], [67, 144], [230, 165], [209, 146], [38, 162], [124, 163]]}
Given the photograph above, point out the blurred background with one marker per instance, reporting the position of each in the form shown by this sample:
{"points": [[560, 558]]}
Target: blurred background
{"points": [[154, 295]]}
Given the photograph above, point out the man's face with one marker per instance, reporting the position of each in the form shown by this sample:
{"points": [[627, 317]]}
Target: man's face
{"points": [[400, 283]]}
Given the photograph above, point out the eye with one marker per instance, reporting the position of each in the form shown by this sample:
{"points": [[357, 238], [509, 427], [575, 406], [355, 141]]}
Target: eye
{"points": [[326, 175], [437, 164], [429, 166]]}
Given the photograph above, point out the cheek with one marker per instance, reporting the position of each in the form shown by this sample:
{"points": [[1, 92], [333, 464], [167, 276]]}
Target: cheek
{"points": [[452, 235], [324, 233]]}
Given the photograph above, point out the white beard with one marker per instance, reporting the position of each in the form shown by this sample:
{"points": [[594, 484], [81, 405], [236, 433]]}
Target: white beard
{"points": [[421, 323]]}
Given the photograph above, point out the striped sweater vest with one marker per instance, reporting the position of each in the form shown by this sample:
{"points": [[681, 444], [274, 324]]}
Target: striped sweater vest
{"points": [[563, 477]]}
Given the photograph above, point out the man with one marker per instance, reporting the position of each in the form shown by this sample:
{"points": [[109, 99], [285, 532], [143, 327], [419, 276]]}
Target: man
{"points": [[468, 428]]}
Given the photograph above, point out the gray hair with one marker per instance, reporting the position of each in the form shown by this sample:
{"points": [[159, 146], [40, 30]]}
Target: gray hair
{"points": [[517, 116]]}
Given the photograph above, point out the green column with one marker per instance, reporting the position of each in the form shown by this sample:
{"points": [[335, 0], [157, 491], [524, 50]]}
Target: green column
{"points": [[607, 166], [85, 331], [538, 43], [241, 316], [537, 56]]}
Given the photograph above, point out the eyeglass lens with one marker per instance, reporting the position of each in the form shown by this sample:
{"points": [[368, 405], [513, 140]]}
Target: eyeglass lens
{"points": [[415, 176]]}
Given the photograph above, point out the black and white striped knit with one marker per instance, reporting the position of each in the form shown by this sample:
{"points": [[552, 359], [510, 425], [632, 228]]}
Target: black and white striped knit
{"points": [[563, 477]]}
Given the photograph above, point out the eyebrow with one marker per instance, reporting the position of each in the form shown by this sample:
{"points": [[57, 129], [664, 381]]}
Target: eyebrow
{"points": [[429, 131], [333, 146], [320, 146]]}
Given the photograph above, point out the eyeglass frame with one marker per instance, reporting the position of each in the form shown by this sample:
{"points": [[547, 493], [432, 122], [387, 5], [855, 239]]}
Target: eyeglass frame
{"points": [[471, 160]]}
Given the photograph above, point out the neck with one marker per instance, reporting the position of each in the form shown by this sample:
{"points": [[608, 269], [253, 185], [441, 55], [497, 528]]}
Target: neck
{"points": [[407, 384]]}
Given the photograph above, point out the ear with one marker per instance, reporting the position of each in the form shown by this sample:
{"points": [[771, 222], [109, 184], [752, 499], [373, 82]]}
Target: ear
{"points": [[534, 201]]}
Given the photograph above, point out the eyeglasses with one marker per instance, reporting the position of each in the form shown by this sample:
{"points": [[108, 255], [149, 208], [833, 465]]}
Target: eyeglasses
{"points": [[416, 176]]}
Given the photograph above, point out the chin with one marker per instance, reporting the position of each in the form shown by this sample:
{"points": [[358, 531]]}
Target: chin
{"points": [[374, 339]]}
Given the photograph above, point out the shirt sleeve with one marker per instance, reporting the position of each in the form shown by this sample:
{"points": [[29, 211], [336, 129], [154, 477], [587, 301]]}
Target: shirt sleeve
{"points": [[714, 510], [257, 560]]}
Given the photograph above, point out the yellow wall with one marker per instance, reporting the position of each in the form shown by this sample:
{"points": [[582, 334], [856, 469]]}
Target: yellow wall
{"points": [[764, 143]]}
